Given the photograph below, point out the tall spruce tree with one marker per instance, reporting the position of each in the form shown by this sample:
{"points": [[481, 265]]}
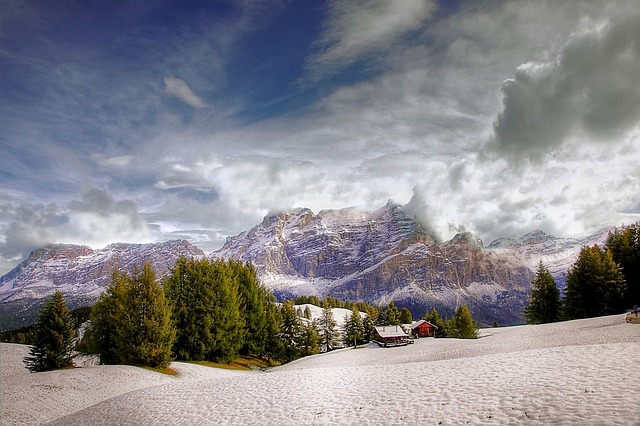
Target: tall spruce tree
{"points": [[595, 285], [405, 316], [392, 315], [327, 329], [461, 325], [144, 332], [252, 308], [309, 339], [625, 248], [544, 299], [353, 334], [206, 307], [100, 335], [290, 332], [54, 337]]}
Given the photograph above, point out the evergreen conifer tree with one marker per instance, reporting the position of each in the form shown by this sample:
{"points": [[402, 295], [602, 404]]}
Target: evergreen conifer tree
{"points": [[144, 332], [392, 315], [461, 325], [595, 285], [327, 329], [206, 298], [544, 299], [100, 335], [353, 329], [309, 339], [625, 249], [290, 331], [405, 316], [54, 337]]}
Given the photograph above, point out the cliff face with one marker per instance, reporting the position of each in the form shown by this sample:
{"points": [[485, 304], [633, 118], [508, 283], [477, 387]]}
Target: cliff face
{"points": [[378, 257], [79, 272]]}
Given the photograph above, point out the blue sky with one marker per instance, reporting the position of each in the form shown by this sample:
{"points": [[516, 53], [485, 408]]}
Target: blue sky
{"points": [[141, 121]]}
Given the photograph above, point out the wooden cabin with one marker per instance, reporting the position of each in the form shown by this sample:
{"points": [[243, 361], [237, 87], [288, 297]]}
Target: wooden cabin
{"points": [[420, 328], [390, 335]]}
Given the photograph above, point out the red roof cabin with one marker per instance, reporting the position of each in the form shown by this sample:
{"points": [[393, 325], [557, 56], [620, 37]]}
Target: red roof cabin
{"points": [[420, 328]]}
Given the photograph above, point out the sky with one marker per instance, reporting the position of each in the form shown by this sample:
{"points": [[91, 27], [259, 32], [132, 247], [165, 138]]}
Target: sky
{"points": [[144, 121]]}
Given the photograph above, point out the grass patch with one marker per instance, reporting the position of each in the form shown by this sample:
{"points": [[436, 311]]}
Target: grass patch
{"points": [[242, 363], [167, 370]]}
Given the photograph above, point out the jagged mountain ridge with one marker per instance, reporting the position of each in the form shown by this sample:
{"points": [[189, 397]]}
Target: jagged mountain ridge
{"points": [[374, 256], [557, 254], [378, 257], [79, 272]]}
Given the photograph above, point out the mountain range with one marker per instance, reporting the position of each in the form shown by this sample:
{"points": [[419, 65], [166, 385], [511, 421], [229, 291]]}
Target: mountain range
{"points": [[374, 256]]}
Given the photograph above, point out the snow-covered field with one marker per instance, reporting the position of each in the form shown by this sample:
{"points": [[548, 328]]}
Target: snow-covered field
{"points": [[577, 372]]}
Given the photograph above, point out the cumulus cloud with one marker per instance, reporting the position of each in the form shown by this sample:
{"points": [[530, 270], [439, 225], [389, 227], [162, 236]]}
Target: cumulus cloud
{"points": [[96, 219], [355, 29], [587, 90], [181, 90]]}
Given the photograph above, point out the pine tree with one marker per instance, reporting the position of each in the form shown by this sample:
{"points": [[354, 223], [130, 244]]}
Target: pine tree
{"points": [[290, 332], [100, 335], [353, 330], [309, 339], [461, 325], [307, 312], [625, 249], [405, 316], [544, 299], [595, 285], [252, 307], [274, 344], [144, 332], [206, 297], [392, 315], [368, 326], [327, 329], [54, 337]]}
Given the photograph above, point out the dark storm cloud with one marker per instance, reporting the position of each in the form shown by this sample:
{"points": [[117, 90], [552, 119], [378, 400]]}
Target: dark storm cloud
{"points": [[588, 89]]}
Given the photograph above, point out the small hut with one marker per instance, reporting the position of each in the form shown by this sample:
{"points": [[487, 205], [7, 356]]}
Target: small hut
{"points": [[420, 328], [390, 335]]}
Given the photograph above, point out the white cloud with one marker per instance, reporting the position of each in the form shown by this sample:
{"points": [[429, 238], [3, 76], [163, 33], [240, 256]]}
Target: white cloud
{"points": [[355, 29], [181, 90]]}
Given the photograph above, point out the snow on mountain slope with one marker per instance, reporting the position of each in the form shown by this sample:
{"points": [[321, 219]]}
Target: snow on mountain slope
{"points": [[79, 272], [378, 257], [557, 254]]}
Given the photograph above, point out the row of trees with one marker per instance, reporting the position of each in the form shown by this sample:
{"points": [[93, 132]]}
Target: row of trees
{"points": [[205, 310], [602, 281]]}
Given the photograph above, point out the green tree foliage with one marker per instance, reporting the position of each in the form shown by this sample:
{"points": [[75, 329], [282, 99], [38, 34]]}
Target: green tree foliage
{"points": [[392, 315], [595, 285], [625, 249], [100, 335], [544, 299], [307, 313], [144, 332], [253, 300], [368, 325], [206, 298], [290, 332], [327, 329], [461, 325], [434, 318], [274, 345], [309, 341], [54, 337], [131, 323], [405, 316], [354, 333]]}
